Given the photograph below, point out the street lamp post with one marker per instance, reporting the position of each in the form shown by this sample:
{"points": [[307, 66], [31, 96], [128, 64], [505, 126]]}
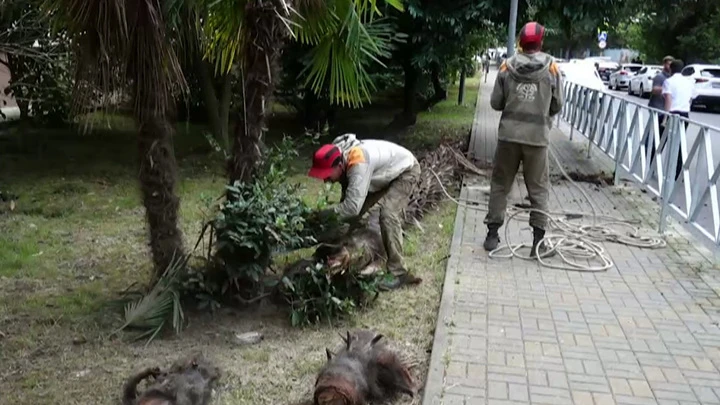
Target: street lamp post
{"points": [[511, 28]]}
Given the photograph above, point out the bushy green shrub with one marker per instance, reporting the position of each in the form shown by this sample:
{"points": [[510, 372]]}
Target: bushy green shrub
{"points": [[261, 218], [318, 295]]}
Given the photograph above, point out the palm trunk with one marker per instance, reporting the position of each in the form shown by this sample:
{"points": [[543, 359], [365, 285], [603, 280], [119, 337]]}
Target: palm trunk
{"points": [[266, 35], [212, 105], [158, 175]]}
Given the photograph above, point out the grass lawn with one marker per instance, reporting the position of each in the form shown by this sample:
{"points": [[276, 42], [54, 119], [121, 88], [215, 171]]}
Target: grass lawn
{"points": [[77, 238]]}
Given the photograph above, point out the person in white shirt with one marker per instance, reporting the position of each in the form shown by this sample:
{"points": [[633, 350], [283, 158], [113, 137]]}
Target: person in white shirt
{"points": [[678, 91]]}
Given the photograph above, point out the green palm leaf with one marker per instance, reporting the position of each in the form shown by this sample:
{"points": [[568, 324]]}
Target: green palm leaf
{"points": [[159, 306]]}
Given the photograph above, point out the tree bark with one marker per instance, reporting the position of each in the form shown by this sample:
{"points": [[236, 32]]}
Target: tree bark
{"points": [[266, 34], [409, 114], [439, 92], [461, 87], [217, 110], [158, 175], [225, 101]]}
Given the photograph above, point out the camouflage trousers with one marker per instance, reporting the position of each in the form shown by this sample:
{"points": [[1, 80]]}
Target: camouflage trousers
{"points": [[392, 201], [536, 172]]}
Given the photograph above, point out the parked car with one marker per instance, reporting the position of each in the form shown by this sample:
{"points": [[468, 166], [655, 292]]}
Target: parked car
{"points": [[707, 84], [641, 83], [620, 78]]}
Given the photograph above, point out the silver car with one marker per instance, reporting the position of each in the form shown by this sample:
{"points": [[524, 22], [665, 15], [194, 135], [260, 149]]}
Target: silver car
{"points": [[641, 83]]}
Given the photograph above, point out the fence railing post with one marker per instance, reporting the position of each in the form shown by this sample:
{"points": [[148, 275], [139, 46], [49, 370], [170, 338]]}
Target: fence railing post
{"points": [[672, 126], [619, 140]]}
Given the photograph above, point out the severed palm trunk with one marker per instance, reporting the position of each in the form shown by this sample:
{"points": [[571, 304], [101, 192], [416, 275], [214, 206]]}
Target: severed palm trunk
{"points": [[266, 35]]}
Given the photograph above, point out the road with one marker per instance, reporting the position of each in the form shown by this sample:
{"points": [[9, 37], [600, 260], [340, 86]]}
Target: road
{"points": [[707, 118], [698, 169]]}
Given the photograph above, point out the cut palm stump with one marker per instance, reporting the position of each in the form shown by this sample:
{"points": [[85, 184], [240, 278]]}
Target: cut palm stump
{"points": [[363, 369]]}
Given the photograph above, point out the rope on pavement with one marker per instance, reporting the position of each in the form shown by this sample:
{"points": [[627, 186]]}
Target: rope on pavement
{"points": [[569, 240]]}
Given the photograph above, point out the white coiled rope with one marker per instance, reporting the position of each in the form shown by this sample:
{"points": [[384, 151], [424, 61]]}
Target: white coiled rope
{"points": [[568, 240]]}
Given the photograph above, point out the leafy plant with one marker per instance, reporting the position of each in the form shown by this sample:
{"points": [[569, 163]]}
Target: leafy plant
{"points": [[316, 294], [260, 218]]}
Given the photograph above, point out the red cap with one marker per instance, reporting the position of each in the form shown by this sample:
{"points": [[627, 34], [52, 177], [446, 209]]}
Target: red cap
{"points": [[324, 161], [532, 33]]}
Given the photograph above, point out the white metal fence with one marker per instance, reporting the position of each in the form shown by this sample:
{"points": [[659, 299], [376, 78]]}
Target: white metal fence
{"points": [[630, 134]]}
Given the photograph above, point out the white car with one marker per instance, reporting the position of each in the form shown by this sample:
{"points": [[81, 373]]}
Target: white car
{"points": [[641, 83], [707, 84], [621, 76]]}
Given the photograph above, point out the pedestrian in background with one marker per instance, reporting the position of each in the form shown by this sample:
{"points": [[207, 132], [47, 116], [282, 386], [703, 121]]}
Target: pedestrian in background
{"points": [[657, 101], [678, 91], [528, 91], [486, 65]]}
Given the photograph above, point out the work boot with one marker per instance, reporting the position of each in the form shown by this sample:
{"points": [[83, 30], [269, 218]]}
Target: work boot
{"points": [[537, 249], [399, 281], [492, 240]]}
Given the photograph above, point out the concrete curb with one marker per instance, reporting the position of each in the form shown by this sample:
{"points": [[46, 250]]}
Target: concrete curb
{"points": [[434, 385], [434, 382]]}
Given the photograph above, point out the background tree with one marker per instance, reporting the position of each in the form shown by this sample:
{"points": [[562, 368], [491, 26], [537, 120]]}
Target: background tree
{"points": [[686, 29], [438, 33], [38, 61], [123, 45], [573, 24], [344, 35]]}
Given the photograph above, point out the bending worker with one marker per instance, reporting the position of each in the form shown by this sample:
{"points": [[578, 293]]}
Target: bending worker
{"points": [[528, 91], [372, 172]]}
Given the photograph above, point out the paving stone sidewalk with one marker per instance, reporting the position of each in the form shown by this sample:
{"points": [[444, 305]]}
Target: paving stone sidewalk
{"points": [[509, 332]]}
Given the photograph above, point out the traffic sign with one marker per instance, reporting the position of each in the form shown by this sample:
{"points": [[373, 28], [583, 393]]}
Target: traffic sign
{"points": [[602, 44], [602, 37]]}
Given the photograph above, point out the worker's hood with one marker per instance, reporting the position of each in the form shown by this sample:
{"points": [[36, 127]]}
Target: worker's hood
{"points": [[346, 142], [529, 67]]}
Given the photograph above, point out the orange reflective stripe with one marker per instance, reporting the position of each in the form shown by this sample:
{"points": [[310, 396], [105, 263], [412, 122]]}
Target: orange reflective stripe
{"points": [[553, 68], [355, 156]]}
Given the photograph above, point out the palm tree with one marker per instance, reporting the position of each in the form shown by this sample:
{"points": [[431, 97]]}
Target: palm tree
{"points": [[345, 38], [123, 43]]}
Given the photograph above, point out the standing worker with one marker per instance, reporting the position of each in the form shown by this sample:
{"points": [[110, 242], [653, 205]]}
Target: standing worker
{"points": [[528, 91], [372, 172]]}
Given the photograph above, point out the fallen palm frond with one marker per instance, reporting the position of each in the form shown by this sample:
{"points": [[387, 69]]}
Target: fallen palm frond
{"points": [[161, 306]]}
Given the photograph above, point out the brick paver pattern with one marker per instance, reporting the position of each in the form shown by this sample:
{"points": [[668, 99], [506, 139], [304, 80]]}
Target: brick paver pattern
{"points": [[510, 332]]}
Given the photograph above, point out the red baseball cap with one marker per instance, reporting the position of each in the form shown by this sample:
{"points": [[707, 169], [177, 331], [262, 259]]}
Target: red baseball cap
{"points": [[532, 33], [324, 161]]}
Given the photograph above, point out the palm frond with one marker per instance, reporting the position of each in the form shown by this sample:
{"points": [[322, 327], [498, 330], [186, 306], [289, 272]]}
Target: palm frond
{"points": [[222, 30], [345, 55], [121, 43], [160, 306]]}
